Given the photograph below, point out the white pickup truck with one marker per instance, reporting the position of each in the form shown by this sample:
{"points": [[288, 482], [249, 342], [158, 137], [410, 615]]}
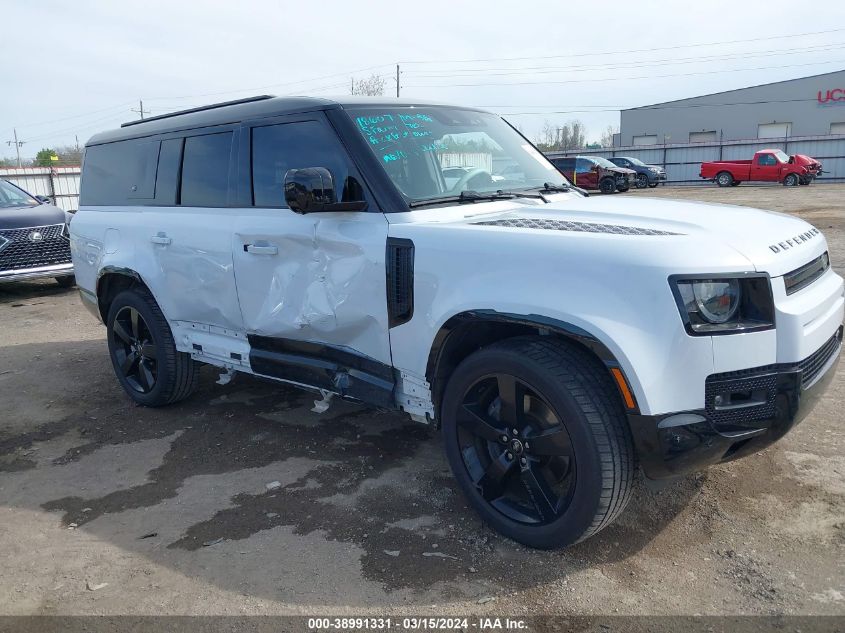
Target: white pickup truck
{"points": [[561, 342]]}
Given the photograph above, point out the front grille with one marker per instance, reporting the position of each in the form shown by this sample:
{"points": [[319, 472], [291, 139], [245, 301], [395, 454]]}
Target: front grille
{"points": [[807, 274], [19, 251], [813, 364]]}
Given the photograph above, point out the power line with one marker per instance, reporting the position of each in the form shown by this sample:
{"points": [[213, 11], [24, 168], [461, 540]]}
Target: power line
{"points": [[623, 78], [528, 70], [625, 52], [17, 143]]}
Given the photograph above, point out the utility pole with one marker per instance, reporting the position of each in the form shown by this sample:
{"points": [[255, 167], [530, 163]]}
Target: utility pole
{"points": [[17, 144], [397, 81], [140, 109]]}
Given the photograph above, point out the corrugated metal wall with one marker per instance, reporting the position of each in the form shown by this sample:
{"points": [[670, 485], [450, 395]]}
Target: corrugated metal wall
{"points": [[61, 184], [682, 161]]}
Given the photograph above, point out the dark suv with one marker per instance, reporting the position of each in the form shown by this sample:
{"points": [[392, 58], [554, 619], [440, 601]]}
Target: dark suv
{"points": [[647, 175], [33, 238], [593, 172]]}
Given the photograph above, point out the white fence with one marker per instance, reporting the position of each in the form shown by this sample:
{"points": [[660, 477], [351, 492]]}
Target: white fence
{"points": [[60, 184], [683, 160]]}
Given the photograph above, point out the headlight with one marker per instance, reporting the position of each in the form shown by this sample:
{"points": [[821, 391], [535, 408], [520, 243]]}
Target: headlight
{"points": [[724, 304], [654, 169]]}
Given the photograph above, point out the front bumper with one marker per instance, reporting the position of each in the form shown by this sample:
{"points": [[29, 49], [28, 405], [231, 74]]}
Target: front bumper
{"points": [[745, 411], [658, 176], [38, 272]]}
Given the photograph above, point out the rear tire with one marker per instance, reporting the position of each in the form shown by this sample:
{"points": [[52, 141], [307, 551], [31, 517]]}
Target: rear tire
{"points": [[642, 181], [550, 463], [143, 352], [724, 179], [607, 185], [791, 180]]}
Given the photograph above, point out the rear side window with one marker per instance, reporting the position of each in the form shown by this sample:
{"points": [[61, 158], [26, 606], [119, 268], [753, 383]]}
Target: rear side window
{"points": [[205, 170], [121, 173], [279, 148]]}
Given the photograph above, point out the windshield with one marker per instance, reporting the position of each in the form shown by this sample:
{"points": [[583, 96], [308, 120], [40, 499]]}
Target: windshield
{"points": [[784, 158], [11, 196], [604, 162], [636, 161], [439, 152]]}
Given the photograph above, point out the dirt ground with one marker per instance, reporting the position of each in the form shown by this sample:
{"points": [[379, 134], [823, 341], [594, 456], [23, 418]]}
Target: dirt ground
{"points": [[110, 508]]}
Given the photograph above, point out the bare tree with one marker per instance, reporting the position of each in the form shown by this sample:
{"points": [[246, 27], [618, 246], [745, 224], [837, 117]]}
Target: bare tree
{"points": [[69, 155], [606, 139], [373, 86], [570, 135]]}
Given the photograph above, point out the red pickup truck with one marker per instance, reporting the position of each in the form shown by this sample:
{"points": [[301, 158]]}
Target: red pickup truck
{"points": [[771, 165]]}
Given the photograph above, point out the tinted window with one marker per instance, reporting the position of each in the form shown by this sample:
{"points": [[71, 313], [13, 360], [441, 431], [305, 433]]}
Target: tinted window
{"points": [[768, 159], [167, 176], [119, 173], [276, 149], [205, 170]]}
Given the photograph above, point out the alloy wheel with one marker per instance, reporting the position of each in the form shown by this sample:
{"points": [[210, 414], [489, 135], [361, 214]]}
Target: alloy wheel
{"points": [[516, 450], [135, 350]]}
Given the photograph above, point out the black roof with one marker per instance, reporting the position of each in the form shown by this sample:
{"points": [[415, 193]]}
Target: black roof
{"points": [[242, 110]]}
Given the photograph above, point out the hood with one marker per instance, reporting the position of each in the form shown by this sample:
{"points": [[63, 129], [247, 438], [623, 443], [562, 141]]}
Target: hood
{"points": [[23, 217], [774, 243], [623, 170]]}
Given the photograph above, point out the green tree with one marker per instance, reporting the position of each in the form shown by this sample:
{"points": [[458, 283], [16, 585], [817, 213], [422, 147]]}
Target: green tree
{"points": [[45, 158]]}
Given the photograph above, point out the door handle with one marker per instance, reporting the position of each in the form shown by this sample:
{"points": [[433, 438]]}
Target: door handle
{"points": [[261, 249], [161, 238]]}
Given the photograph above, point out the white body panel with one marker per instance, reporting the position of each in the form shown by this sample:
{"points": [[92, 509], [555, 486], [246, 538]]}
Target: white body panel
{"points": [[326, 282]]}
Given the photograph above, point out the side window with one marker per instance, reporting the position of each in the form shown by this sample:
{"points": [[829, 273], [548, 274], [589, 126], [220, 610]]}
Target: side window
{"points": [[169, 165], [118, 173], [767, 159], [279, 148], [583, 166], [205, 170]]}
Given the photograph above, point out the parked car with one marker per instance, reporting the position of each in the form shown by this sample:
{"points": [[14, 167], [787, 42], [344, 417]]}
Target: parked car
{"points": [[560, 342], [34, 241], [647, 175], [593, 172], [768, 165]]}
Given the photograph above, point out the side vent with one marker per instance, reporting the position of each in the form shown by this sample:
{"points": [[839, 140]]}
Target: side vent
{"points": [[400, 281]]}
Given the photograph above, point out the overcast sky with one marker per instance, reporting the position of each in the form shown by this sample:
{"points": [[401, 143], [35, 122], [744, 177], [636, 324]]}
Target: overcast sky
{"points": [[74, 68]]}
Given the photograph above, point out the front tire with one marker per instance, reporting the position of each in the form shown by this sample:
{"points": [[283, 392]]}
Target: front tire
{"points": [[642, 181], [143, 352], [538, 441], [791, 180], [607, 185]]}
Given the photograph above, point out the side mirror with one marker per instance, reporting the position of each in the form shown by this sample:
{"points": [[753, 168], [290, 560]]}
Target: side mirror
{"points": [[44, 199], [311, 190]]}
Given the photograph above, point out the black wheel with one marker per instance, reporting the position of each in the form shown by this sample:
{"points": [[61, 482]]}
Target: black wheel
{"points": [[804, 181], [642, 181], [791, 180], [537, 439], [724, 179], [143, 353], [67, 281], [622, 189], [607, 185]]}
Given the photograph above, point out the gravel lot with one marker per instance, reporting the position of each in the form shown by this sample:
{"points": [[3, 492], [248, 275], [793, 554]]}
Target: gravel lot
{"points": [[109, 508]]}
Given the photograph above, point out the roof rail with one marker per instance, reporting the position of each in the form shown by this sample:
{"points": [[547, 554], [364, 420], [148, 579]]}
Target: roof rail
{"points": [[213, 106]]}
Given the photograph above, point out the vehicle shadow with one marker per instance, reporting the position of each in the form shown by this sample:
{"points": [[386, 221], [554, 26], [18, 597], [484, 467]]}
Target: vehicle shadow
{"points": [[243, 486], [28, 290]]}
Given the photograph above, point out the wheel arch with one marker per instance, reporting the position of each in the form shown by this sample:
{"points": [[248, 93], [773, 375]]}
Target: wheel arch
{"points": [[111, 280], [468, 331]]}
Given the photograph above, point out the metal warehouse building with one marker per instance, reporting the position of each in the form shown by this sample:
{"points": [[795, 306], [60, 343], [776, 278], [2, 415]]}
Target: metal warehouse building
{"points": [[798, 116], [810, 106]]}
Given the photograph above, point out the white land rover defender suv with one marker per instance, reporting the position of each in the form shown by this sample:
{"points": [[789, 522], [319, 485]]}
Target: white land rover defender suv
{"points": [[559, 341]]}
